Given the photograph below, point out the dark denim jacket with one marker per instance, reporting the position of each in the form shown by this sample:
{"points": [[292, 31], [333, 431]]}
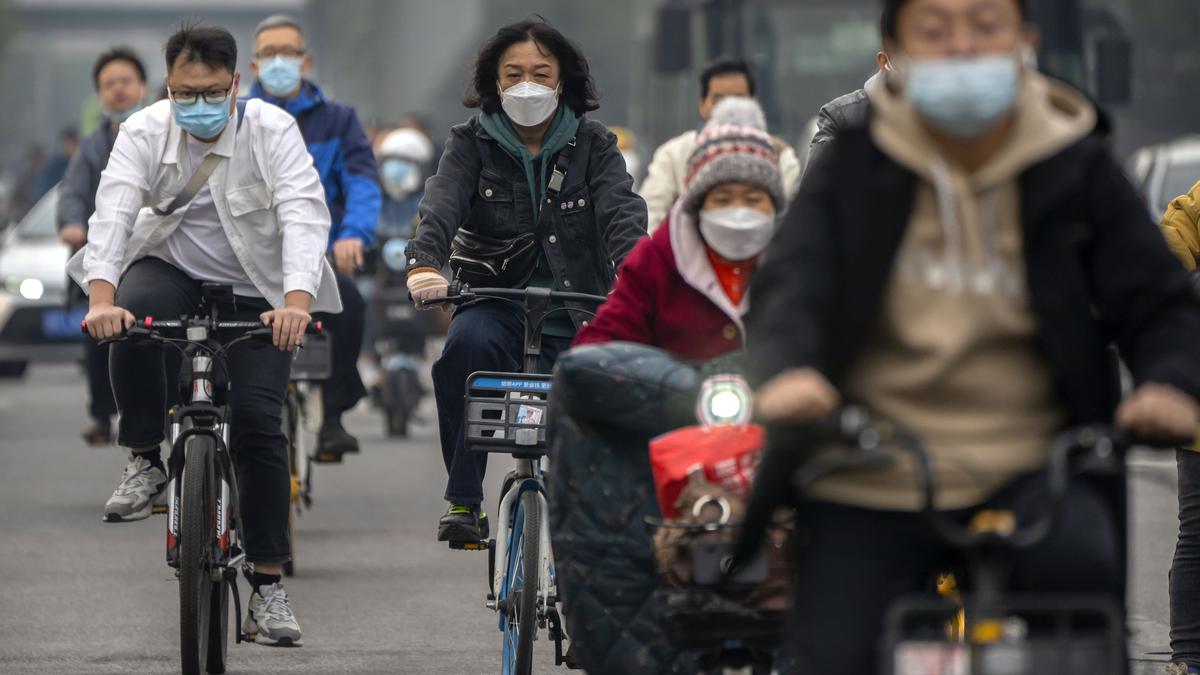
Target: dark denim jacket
{"points": [[585, 233]]}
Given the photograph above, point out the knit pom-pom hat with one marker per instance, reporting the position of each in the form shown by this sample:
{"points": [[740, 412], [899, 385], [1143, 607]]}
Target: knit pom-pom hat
{"points": [[733, 147]]}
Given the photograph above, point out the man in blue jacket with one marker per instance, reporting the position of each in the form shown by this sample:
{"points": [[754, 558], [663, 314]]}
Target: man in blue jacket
{"points": [[346, 163]]}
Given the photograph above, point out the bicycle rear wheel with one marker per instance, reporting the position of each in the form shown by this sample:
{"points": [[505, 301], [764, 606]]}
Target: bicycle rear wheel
{"points": [[520, 590], [202, 603]]}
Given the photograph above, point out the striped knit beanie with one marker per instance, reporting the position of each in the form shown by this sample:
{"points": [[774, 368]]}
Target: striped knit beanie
{"points": [[733, 147]]}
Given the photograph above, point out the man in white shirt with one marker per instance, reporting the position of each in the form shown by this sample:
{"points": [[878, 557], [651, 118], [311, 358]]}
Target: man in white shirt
{"points": [[666, 174], [259, 224]]}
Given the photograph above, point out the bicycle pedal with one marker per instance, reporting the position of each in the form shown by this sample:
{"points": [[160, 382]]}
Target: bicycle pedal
{"points": [[469, 545]]}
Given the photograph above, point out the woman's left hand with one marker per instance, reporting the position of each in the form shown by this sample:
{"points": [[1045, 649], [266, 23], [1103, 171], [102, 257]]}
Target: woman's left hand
{"points": [[1159, 411]]}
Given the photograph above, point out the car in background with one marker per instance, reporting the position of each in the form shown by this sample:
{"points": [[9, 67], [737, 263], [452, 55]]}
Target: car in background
{"points": [[1163, 172], [35, 322]]}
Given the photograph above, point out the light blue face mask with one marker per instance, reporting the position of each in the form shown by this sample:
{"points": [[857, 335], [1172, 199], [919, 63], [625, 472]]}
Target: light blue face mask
{"points": [[201, 119], [120, 116], [280, 76], [963, 96]]}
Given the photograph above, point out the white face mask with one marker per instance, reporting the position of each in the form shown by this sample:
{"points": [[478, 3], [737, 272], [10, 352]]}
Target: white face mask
{"points": [[737, 233], [528, 104]]}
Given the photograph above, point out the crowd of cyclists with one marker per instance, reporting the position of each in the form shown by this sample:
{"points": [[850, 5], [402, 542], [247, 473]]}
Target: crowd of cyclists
{"points": [[960, 253]]}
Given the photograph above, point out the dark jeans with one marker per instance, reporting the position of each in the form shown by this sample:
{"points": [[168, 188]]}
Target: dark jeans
{"points": [[344, 388], [853, 563], [101, 405], [142, 376], [1185, 568], [483, 336]]}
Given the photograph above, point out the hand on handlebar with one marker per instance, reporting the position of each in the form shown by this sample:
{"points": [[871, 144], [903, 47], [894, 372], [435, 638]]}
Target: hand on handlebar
{"points": [[289, 324], [425, 283], [106, 321], [1159, 411], [797, 395]]}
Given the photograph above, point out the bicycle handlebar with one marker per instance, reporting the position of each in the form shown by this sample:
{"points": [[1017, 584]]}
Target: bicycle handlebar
{"points": [[149, 324], [458, 293], [1094, 445]]}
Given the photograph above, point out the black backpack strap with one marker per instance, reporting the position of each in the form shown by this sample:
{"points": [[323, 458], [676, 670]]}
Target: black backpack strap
{"points": [[241, 111], [560, 170]]}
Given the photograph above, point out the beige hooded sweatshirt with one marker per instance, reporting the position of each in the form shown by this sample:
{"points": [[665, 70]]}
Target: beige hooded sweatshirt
{"points": [[954, 357]]}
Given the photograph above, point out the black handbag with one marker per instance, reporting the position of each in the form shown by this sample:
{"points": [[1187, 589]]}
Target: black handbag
{"points": [[479, 260]]}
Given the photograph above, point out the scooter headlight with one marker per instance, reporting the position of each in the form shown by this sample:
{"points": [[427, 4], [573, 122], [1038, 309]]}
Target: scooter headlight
{"points": [[724, 399]]}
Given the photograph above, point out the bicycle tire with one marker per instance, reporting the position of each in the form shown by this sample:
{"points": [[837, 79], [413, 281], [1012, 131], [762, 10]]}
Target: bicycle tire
{"points": [[195, 542], [522, 580]]}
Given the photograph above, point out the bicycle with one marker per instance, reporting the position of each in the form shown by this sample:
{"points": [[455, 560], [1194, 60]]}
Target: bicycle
{"points": [[988, 629], [506, 413], [203, 535], [302, 415]]}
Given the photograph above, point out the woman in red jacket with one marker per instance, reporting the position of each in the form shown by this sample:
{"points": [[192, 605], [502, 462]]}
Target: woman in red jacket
{"points": [[684, 289]]}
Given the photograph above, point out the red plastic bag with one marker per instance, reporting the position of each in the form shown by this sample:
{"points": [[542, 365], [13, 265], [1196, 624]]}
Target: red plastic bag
{"points": [[726, 453]]}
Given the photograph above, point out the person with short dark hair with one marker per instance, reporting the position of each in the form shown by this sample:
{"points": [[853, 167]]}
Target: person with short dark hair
{"points": [[961, 267], [666, 175], [344, 159], [120, 81], [258, 224], [533, 88], [56, 168]]}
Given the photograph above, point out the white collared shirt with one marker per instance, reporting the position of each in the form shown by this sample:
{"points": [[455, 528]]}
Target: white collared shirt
{"points": [[267, 195]]}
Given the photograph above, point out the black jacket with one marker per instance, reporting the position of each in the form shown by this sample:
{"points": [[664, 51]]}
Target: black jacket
{"points": [[844, 112], [585, 233], [1098, 272]]}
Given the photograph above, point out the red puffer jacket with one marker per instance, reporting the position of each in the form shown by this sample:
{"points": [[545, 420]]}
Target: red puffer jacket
{"points": [[681, 308]]}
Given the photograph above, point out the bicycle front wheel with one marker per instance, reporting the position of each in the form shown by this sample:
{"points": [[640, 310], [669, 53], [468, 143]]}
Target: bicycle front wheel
{"points": [[201, 628], [521, 586]]}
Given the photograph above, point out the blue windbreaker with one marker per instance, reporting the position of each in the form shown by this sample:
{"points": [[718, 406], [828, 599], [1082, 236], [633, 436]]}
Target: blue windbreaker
{"points": [[343, 158]]}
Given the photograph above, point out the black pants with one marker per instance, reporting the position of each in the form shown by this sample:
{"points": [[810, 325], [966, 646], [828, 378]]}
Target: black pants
{"points": [[1185, 569], [101, 405], [484, 336], [853, 563], [344, 388], [144, 379]]}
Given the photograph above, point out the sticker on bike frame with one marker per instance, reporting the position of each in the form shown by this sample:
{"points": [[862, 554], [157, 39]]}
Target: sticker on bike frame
{"points": [[528, 414], [505, 383]]}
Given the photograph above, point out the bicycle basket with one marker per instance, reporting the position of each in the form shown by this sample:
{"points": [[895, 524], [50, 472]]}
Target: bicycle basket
{"points": [[699, 606], [314, 361], [506, 412]]}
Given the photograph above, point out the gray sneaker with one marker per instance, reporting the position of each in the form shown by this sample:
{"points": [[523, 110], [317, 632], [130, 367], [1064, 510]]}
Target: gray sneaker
{"points": [[142, 486], [269, 618], [1180, 668]]}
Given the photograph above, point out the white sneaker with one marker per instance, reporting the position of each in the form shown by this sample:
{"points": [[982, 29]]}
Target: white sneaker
{"points": [[269, 618], [142, 486]]}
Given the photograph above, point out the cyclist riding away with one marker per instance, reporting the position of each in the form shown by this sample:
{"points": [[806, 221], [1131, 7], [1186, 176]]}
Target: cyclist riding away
{"points": [[571, 219], [960, 266], [342, 156], [685, 288], [257, 221]]}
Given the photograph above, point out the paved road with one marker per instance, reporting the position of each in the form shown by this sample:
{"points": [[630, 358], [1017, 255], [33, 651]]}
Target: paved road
{"points": [[373, 591]]}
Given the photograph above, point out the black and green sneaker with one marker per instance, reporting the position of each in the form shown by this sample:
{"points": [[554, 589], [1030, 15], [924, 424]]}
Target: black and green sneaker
{"points": [[463, 524]]}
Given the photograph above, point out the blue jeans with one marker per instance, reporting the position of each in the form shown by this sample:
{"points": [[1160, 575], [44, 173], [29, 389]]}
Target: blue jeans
{"points": [[484, 336], [1185, 568]]}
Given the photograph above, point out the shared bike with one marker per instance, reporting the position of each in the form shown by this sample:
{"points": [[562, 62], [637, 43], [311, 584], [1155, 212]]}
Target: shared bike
{"points": [[204, 543], [506, 413]]}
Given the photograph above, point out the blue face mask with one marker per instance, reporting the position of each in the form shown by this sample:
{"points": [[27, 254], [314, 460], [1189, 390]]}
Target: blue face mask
{"points": [[120, 116], [280, 76], [963, 96], [202, 119]]}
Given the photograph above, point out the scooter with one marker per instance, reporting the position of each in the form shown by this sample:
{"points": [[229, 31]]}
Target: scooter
{"points": [[399, 336]]}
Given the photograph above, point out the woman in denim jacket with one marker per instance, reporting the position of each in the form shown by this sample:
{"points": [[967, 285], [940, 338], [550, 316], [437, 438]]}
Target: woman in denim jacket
{"points": [[533, 88]]}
